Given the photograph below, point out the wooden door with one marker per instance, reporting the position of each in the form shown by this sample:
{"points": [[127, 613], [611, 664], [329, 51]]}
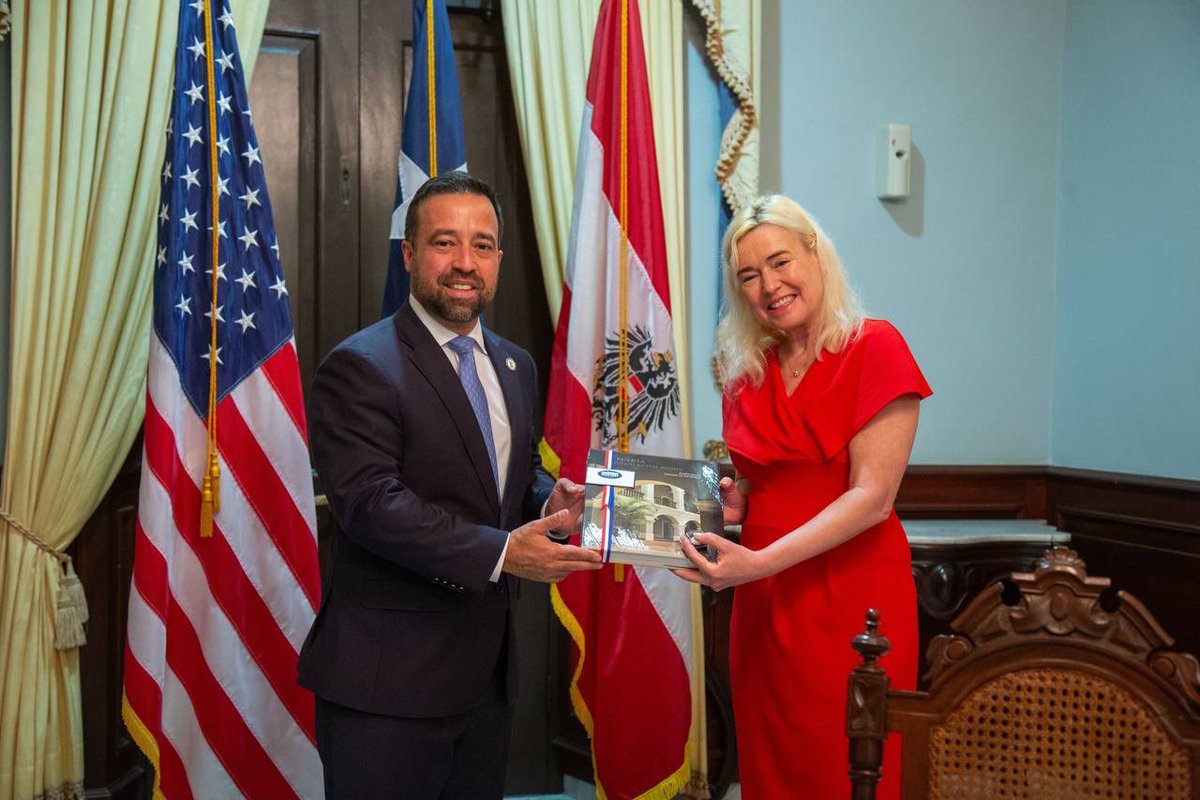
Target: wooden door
{"points": [[305, 98]]}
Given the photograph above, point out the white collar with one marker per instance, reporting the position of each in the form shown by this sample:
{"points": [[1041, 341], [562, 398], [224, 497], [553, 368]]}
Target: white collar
{"points": [[440, 332]]}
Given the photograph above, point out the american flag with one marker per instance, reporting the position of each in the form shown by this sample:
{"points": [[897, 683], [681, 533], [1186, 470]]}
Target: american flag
{"points": [[432, 142], [215, 623]]}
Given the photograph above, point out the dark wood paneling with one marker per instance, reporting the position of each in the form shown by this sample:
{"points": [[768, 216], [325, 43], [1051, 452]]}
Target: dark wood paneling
{"points": [[972, 492], [103, 554], [1143, 533], [284, 97], [305, 96]]}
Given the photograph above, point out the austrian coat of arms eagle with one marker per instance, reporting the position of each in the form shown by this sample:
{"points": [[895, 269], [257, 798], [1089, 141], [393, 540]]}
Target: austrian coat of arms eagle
{"points": [[651, 386]]}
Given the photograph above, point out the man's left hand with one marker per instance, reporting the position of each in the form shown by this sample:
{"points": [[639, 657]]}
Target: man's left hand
{"points": [[567, 495]]}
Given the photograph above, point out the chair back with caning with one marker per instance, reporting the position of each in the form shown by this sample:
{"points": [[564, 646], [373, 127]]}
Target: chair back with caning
{"points": [[1053, 686]]}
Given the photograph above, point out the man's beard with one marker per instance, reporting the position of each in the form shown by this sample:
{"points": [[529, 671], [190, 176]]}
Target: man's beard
{"points": [[430, 295]]}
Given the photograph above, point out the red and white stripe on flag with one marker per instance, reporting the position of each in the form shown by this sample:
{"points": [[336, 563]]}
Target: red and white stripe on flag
{"points": [[614, 384], [216, 624], [216, 621]]}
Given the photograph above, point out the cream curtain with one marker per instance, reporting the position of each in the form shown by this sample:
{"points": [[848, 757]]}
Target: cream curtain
{"points": [[91, 83], [549, 52]]}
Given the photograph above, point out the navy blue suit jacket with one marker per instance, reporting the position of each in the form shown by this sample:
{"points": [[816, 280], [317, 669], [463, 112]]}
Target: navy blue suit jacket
{"points": [[409, 624]]}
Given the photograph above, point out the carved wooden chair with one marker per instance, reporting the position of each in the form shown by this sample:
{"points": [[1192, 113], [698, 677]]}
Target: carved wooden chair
{"points": [[1053, 686]]}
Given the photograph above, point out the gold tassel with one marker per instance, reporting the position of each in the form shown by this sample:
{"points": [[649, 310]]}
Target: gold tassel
{"points": [[214, 469], [618, 573], [71, 611], [206, 507]]}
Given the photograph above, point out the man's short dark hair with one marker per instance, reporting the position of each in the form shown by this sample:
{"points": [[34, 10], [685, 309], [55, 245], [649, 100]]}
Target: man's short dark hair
{"points": [[456, 182]]}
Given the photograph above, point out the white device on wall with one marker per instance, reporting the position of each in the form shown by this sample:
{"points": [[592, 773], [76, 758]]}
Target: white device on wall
{"points": [[893, 167]]}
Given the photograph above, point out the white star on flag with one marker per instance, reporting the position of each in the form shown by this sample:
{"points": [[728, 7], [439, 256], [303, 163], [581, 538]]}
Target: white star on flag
{"points": [[192, 134], [189, 178]]}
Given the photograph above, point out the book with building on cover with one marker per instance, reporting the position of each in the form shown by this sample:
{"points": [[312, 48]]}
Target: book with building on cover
{"points": [[638, 505]]}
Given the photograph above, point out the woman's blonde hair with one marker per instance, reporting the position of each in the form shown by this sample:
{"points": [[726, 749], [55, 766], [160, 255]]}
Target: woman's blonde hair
{"points": [[742, 341]]}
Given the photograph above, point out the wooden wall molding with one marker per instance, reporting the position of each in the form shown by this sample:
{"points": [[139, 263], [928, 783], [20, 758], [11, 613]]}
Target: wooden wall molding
{"points": [[962, 491], [1143, 531]]}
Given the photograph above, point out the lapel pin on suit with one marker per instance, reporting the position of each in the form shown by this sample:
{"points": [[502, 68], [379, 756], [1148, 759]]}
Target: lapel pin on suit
{"points": [[512, 365]]}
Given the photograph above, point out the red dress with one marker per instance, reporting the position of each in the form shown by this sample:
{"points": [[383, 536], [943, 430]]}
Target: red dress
{"points": [[790, 652]]}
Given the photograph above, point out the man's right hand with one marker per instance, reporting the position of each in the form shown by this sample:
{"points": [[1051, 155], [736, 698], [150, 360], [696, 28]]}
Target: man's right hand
{"points": [[531, 554], [734, 501]]}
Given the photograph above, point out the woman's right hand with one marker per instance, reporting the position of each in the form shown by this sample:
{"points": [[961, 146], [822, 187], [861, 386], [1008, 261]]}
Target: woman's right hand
{"points": [[734, 501]]}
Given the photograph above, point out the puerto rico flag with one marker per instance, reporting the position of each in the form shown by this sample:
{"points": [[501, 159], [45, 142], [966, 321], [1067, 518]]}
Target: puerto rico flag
{"points": [[432, 142]]}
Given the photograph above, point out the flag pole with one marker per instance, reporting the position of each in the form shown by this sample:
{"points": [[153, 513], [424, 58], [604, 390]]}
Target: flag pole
{"points": [[431, 64], [622, 418], [210, 493]]}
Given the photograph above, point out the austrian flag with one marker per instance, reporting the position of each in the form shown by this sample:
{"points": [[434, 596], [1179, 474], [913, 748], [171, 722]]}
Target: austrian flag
{"points": [[613, 385]]}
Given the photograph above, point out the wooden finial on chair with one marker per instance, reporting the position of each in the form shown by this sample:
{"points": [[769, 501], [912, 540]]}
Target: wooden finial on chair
{"points": [[871, 644], [866, 709]]}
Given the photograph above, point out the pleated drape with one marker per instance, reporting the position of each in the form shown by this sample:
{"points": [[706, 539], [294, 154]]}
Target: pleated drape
{"points": [[91, 83]]}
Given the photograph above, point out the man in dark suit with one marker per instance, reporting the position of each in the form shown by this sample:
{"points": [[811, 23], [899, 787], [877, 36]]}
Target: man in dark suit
{"points": [[422, 434]]}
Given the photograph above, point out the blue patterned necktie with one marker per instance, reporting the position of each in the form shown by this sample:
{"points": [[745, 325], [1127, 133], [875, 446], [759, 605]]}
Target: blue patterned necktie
{"points": [[464, 346]]}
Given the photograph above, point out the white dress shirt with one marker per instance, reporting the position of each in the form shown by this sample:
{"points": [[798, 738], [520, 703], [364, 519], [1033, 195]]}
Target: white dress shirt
{"points": [[497, 410]]}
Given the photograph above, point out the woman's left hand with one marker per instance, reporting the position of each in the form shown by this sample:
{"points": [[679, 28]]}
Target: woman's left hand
{"points": [[733, 565]]}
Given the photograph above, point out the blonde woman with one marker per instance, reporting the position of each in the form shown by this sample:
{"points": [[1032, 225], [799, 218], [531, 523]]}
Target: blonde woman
{"points": [[820, 410]]}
